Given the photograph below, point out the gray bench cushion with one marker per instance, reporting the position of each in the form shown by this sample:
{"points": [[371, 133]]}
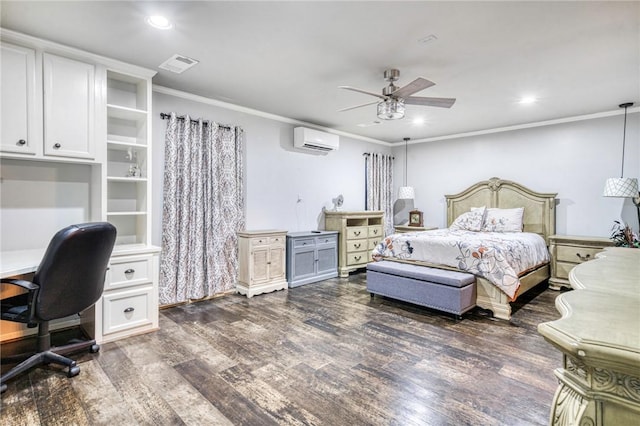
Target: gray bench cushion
{"points": [[423, 273]]}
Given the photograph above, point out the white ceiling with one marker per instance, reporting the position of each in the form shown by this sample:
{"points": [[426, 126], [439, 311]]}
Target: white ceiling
{"points": [[288, 58]]}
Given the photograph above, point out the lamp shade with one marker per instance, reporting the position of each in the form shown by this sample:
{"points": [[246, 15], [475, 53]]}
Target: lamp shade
{"points": [[406, 193], [621, 187]]}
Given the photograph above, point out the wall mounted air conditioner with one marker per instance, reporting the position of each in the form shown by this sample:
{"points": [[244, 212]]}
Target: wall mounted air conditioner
{"points": [[315, 140]]}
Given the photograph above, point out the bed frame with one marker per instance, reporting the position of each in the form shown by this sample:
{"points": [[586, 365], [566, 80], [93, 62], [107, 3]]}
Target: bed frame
{"points": [[539, 218]]}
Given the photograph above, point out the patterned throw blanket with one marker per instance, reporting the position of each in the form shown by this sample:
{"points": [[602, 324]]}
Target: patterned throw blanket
{"points": [[498, 257]]}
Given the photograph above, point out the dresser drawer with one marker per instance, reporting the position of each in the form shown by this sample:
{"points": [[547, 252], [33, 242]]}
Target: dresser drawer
{"points": [[328, 239], [356, 232], [304, 242], [127, 309], [563, 269], [375, 231], [266, 241], [357, 258], [575, 254], [128, 271], [373, 242], [356, 245]]}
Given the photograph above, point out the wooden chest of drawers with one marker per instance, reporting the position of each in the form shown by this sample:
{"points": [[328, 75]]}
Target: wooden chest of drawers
{"points": [[360, 232], [567, 252]]}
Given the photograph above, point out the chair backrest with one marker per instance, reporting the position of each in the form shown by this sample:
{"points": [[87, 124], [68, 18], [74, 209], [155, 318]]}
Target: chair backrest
{"points": [[72, 272]]}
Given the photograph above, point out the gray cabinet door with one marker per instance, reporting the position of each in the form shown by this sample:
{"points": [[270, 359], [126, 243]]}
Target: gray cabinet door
{"points": [[304, 263], [327, 259]]}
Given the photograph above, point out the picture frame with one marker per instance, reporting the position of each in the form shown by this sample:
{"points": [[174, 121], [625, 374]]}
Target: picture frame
{"points": [[416, 218]]}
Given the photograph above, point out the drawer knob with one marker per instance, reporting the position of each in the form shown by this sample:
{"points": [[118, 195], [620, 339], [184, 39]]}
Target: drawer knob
{"points": [[129, 271], [356, 233], [129, 309], [357, 257], [357, 245], [22, 142], [375, 231], [583, 258], [57, 145]]}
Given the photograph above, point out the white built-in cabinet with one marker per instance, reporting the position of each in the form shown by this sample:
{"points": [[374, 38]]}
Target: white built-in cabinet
{"points": [[19, 114], [69, 107], [80, 112]]}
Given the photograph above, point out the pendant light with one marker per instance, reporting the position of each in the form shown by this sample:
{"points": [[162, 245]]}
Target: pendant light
{"points": [[406, 192], [623, 187]]}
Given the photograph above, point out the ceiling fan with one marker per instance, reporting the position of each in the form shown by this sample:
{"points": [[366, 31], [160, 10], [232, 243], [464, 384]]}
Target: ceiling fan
{"points": [[394, 98]]}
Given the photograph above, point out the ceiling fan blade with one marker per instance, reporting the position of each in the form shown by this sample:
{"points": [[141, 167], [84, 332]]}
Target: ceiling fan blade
{"points": [[415, 86], [434, 102], [358, 106], [355, 89]]}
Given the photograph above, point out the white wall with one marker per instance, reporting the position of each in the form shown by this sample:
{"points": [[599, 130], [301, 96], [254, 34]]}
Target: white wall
{"points": [[572, 159], [275, 175]]}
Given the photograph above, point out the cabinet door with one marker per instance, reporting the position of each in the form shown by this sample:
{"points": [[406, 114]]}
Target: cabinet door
{"points": [[69, 93], [259, 271], [304, 263], [18, 82], [327, 259], [276, 262]]}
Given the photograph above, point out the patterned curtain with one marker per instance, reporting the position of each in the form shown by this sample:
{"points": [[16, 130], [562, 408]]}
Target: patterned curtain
{"points": [[379, 187], [202, 211]]}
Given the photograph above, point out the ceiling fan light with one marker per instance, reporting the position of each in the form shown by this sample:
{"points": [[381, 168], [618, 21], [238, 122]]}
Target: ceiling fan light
{"points": [[391, 109]]}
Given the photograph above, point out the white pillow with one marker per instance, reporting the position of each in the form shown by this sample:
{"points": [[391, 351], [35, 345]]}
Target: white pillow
{"points": [[469, 221], [503, 220]]}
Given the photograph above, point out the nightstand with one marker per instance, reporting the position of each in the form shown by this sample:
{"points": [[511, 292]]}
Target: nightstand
{"points": [[568, 251], [399, 229]]}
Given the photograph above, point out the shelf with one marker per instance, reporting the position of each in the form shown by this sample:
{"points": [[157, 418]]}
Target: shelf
{"points": [[114, 143], [126, 179], [136, 213], [125, 113]]}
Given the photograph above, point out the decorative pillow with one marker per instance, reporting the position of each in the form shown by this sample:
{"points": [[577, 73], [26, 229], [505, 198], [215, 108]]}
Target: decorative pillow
{"points": [[469, 221], [503, 220]]}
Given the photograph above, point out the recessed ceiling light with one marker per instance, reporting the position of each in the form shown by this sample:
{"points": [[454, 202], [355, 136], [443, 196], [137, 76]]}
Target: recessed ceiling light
{"points": [[160, 22], [526, 100]]}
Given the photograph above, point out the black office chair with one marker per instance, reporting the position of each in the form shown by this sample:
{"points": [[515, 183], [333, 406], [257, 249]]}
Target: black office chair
{"points": [[69, 279]]}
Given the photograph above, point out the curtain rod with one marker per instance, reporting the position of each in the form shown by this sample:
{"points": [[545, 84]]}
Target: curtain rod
{"points": [[369, 153], [166, 116]]}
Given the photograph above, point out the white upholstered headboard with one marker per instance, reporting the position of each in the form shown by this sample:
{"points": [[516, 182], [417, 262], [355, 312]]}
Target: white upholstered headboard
{"points": [[539, 208]]}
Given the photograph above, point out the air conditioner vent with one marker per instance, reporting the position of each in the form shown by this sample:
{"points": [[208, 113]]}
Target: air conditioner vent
{"points": [[178, 64]]}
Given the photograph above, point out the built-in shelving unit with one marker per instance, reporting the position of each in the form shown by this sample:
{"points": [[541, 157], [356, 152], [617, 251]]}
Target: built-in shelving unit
{"points": [[128, 189], [101, 171]]}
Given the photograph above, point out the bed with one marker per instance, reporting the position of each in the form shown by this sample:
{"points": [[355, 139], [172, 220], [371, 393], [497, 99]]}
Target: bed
{"points": [[538, 218]]}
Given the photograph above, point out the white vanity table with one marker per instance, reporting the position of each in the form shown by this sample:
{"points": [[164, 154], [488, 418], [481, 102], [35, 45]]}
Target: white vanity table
{"points": [[599, 337]]}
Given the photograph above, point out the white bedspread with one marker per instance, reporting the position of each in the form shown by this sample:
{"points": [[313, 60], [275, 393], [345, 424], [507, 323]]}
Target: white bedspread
{"points": [[497, 256]]}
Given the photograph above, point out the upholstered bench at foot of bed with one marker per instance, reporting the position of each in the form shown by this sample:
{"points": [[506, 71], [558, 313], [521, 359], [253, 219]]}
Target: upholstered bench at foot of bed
{"points": [[448, 291]]}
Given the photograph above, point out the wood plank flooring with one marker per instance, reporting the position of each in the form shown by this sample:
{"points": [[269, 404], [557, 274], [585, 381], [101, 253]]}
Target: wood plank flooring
{"points": [[320, 354]]}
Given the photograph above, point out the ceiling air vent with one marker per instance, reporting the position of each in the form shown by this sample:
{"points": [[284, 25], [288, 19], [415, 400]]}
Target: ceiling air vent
{"points": [[178, 64]]}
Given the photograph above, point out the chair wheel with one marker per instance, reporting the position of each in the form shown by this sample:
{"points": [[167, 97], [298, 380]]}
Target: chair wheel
{"points": [[3, 388], [73, 371], [94, 349]]}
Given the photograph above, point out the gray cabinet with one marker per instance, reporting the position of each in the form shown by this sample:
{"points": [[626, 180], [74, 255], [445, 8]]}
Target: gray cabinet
{"points": [[311, 257]]}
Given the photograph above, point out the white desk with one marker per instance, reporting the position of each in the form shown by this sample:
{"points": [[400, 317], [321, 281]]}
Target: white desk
{"points": [[18, 262]]}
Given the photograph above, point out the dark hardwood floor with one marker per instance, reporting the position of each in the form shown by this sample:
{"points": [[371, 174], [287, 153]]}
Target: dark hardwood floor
{"points": [[323, 353]]}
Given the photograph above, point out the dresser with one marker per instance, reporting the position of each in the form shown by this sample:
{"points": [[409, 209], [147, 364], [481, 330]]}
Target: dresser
{"points": [[599, 339], [359, 232], [262, 256], [567, 252]]}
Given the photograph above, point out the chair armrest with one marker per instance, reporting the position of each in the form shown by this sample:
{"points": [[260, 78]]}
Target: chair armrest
{"points": [[27, 285]]}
